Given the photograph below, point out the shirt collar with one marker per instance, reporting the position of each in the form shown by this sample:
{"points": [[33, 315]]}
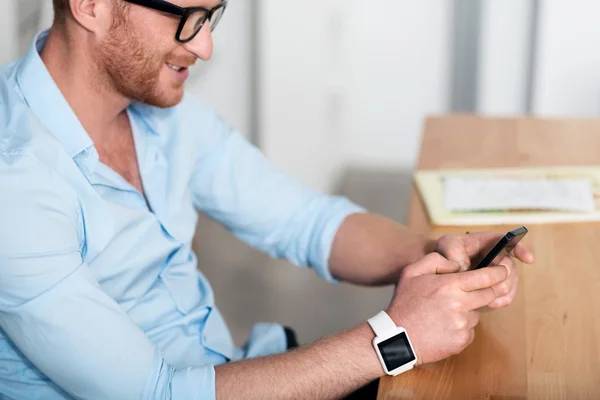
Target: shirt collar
{"points": [[47, 102], [154, 119]]}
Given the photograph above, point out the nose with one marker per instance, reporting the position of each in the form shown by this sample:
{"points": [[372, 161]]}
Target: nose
{"points": [[201, 45]]}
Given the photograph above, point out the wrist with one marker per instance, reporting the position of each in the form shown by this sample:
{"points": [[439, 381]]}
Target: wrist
{"points": [[406, 325], [372, 367], [392, 345], [394, 315]]}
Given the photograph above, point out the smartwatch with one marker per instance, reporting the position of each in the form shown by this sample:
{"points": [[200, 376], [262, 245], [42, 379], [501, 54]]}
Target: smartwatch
{"points": [[392, 345]]}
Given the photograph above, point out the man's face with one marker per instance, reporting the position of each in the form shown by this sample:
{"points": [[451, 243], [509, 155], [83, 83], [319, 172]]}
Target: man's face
{"points": [[142, 59]]}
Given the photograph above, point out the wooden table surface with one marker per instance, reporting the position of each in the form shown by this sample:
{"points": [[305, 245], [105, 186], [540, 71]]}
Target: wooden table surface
{"points": [[546, 345]]}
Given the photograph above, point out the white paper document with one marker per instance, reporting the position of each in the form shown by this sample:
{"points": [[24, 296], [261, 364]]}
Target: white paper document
{"points": [[480, 194]]}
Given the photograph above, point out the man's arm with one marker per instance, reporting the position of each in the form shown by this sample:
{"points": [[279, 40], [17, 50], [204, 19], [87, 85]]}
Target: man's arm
{"points": [[434, 305], [372, 250], [328, 369], [233, 183], [55, 312]]}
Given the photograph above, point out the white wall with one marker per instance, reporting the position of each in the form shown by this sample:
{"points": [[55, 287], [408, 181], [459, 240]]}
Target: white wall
{"points": [[351, 83], [398, 58], [504, 56], [225, 81], [568, 60], [8, 26], [298, 88], [566, 78]]}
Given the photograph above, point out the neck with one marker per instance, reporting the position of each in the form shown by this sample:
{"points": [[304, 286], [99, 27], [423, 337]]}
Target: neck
{"points": [[97, 105]]}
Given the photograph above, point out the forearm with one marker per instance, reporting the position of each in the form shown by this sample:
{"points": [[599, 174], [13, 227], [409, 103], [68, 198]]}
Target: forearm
{"points": [[328, 369], [371, 250]]}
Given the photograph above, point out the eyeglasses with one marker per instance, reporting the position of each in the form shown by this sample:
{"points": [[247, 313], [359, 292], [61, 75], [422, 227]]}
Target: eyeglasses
{"points": [[192, 19]]}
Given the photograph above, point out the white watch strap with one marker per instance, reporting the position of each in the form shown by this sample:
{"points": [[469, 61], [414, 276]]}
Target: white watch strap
{"points": [[382, 324]]}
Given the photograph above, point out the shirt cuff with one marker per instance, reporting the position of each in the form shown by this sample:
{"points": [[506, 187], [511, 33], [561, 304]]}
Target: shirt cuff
{"points": [[339, 209], [197, 383], [167, 382]]}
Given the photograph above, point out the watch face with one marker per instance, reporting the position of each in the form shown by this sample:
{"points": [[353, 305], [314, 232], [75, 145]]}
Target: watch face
{"points": [[396, 351]]}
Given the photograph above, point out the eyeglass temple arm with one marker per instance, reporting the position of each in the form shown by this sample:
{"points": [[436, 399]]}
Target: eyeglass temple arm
{"points": [[222, 4], [160, 5]]}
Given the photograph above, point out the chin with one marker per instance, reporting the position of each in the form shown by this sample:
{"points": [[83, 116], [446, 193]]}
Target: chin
{"points": [[166, 99]]}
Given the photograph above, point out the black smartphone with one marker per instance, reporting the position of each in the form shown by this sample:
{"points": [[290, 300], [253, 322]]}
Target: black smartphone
{"points": [[502, 248]]}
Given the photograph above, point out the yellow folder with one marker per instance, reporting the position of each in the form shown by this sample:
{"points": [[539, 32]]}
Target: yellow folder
{"points": [[430, 184]]}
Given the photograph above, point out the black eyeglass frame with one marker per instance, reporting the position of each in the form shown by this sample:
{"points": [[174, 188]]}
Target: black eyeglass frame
{"points": [[183, 12]]}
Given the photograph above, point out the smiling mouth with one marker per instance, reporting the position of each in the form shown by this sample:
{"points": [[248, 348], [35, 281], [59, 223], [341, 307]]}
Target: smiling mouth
{"points": [[175, 67]]}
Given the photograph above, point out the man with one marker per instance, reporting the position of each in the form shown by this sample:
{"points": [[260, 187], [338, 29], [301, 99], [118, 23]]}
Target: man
{"points": [[103, 162]]}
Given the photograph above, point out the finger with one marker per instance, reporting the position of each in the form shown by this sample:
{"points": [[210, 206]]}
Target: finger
{"points": [[479, 298], [454, 249], [481, 278], [522, 253], [505, 301], [510, 264], [481, 241], [431, 264], [504, 288]]}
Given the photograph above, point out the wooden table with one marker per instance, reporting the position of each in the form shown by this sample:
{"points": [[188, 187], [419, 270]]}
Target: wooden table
{"points": [[546, 345]]}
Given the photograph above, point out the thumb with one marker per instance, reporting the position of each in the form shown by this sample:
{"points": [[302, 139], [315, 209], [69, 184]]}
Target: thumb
{"points": [[432, 264], [454, 249]]}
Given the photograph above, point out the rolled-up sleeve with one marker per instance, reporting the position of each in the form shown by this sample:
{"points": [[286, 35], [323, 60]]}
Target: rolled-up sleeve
{"points": [[53, 309], [234, 184]]}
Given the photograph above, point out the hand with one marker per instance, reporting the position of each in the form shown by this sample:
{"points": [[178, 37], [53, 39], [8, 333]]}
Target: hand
{"points": [[438, 307], [461, 249]]}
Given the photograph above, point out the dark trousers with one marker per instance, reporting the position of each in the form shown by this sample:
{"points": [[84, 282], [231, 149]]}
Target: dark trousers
{"points": [[364, 393]]}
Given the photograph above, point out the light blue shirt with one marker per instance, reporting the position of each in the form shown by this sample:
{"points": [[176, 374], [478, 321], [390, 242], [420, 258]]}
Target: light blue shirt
{"points": [[100, 295]]}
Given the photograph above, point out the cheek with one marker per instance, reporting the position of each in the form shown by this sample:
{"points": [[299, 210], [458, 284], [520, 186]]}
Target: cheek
{"points": [[159, 49], [154, 57], [154, 34]]}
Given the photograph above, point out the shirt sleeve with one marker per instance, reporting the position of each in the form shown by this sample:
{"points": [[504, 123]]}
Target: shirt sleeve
{"points": [[234, 184], [54, 310]]}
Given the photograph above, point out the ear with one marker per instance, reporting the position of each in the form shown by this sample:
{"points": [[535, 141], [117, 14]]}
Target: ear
{"points": [[93, 15]]}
